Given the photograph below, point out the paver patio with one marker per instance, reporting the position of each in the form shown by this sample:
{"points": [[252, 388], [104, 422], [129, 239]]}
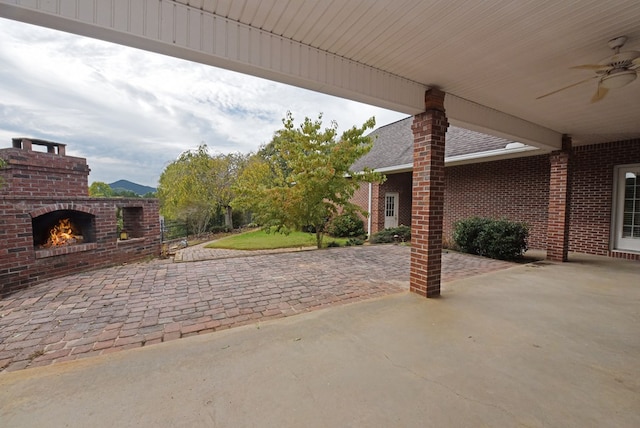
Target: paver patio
{"points": [[140, 304]]}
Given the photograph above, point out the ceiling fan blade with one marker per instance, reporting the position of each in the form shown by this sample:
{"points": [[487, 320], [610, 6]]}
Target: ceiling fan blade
{"points": [[601, 91], [597, 67], [567, 87]]}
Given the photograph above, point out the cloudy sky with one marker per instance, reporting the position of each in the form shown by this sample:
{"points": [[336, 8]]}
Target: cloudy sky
{"points": [[131, 112]]}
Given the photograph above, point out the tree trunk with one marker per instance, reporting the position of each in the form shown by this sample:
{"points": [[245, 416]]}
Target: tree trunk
{"points": [[318, 237], [228, 218]]}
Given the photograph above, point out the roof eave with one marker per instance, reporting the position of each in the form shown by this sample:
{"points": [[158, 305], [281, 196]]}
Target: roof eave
{"points": [[469, 158]]}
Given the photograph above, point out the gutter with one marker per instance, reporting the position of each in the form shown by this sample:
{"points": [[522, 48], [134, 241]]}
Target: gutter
{"points": [[513, 150], [369, 207], [506, 153]]}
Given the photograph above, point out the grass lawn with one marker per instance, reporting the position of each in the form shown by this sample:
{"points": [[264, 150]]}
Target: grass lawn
{"points": [[261, 240]]}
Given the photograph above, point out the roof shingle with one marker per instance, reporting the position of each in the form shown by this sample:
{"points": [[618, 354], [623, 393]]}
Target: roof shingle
{"points": [[393, 145]]}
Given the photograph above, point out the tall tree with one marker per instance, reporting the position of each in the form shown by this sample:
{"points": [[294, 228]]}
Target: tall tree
{"points": [[303, 177], [226, 168], [99, 189], [186, 190], [196, 185]]}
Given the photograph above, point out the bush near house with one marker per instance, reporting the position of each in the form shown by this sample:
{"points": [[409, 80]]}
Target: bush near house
{"points": [[346, 225], [393, 234], [498, 239]]}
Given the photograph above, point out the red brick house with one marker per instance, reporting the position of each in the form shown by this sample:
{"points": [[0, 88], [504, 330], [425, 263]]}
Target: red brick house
{"points": [[492, 177]]}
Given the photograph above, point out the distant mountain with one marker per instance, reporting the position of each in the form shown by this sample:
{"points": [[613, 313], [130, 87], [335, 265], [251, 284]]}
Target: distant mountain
{"points": [[138, 189]]}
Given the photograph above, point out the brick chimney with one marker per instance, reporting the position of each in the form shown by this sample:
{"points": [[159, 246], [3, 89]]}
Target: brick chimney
{"points": [[31, 173]]}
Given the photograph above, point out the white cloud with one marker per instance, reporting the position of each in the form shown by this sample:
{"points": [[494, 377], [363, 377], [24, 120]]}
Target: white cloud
{"points": [[131, 112]]}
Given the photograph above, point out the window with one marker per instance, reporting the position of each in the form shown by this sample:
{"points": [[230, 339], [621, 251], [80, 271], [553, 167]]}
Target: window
{"points": [[391, 205], [627, 208]]}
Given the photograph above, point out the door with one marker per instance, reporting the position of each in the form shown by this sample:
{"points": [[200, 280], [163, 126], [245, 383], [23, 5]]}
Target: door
{"points": [[390, 210], [627, 217]]}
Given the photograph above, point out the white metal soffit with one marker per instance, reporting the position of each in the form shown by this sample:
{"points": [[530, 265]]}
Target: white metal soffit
{"points": [[492, 58]]}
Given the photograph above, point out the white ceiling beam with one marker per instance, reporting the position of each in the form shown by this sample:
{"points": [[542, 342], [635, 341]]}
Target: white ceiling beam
{"points": [[178, 30], [476, 117]]}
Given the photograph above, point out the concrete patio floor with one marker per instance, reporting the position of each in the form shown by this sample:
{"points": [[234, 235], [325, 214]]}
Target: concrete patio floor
{"points": [[536, 345]]}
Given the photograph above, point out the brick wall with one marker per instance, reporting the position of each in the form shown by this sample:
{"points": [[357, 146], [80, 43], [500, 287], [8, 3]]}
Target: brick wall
{"points": [[592, 194], [361, 198], [38, 174], [515, 189], [518, 189], [400, 183]]}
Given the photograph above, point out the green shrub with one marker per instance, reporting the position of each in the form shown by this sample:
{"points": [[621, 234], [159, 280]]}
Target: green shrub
{"points": [[346, 225], [393, 234], [466, 233], [219, 229], [497, 239], [333, 244], [354, 241], [308, 229]]}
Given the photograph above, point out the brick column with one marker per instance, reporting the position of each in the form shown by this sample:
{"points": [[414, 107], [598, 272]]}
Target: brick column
{"points": [[559, 203], [375, 210], [429, 129]]}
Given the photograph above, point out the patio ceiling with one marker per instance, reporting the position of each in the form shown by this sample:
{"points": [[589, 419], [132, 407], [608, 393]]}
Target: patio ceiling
{"points": [[493, 57]]}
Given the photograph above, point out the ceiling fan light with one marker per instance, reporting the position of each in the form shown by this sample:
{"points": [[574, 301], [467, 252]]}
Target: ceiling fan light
{"points": [[618, 79]]}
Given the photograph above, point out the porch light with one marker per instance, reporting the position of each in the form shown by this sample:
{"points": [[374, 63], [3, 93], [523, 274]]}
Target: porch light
{"points": [[618, 79], [124, 235]]}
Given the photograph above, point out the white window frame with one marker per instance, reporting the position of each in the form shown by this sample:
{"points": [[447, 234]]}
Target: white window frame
{"points": [[618, 243]]}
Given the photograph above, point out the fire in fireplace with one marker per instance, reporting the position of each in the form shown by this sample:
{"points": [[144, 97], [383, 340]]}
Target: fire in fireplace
{"points": [[62, 228], [63, 233]]}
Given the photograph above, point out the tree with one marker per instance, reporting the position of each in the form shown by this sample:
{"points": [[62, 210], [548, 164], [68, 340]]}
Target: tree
{"points": [[99, 189], [185, 189], [122, 193], [226, 169], [303, 177], [196, 185]]}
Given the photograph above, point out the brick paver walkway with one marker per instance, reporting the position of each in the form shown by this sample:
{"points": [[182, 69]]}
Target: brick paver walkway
{"points": [[198, 253], [145, 303]]}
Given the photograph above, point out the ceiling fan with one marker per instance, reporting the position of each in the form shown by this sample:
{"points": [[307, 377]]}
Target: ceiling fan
{"points": [[614, 72]]}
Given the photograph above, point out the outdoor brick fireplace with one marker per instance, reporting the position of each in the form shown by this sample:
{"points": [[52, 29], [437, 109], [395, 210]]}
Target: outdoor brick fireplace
{"points": [[49, 226]]}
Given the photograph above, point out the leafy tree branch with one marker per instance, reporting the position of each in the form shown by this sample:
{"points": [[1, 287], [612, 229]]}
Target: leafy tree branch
{"points": [[303, 177]]}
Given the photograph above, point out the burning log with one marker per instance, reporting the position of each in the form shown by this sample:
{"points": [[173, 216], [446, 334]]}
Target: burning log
{"points": [[63, 233]]}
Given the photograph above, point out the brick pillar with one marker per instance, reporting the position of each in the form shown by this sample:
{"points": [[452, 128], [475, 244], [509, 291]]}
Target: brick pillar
{"points": [[375, 210], [427, 209], [559, 203]]}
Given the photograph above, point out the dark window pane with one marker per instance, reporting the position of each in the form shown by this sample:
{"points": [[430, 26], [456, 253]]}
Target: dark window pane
{"points": [[628, 205], [627, 218]]}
